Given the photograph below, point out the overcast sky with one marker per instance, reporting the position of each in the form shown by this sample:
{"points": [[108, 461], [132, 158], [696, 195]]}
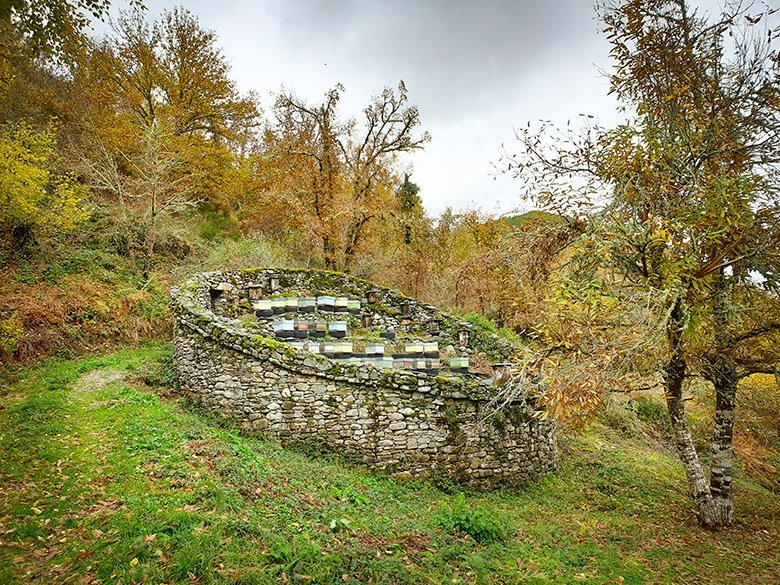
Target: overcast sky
{"points": [[476, 70]]}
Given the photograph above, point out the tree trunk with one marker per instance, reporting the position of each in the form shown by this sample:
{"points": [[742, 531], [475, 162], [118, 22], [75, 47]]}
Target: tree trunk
{"points": [[354, 234], [148, 250], [329, 253], [725, 382], [712, 512], [686, 449], [722, 372]]}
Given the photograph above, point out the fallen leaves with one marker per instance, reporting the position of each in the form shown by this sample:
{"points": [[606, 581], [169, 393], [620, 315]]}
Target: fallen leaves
{"points": [[104, 506]]}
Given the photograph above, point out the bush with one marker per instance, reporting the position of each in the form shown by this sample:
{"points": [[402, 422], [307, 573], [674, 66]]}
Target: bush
{"points": [[37, 201], [161, 373], [653, 413], [217, 225], [482, 525], [638, 417], [488, 326], [249, 252], [11, 332]]}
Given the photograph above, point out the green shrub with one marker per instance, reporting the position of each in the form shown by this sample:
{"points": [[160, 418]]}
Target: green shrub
{"points": [[249, 252], [301, 555], [161, 373], [487, 325], [217, 225], [640, 416], [154, 306], [482, 525], [26, 274], [620, 417], [349, 494], [479, 320]]}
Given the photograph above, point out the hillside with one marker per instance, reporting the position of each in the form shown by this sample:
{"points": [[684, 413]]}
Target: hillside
{"points": [[138, 149], [518, 221], [109, 477]]}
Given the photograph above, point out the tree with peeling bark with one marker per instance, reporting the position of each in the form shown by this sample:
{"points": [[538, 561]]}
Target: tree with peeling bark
{"points": [[682, 202], [347, 168]]}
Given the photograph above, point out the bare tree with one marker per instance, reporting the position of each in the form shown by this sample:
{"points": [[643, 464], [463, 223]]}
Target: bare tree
{"points": [[347, 168], [152, 187]]}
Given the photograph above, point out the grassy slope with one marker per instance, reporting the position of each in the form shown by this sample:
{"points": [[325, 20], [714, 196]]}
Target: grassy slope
{"points": [[79, 294], [122, 484], [537, 215]]}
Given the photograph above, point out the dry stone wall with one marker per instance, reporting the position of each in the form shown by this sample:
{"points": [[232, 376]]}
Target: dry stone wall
{"points": [[406, 423]]}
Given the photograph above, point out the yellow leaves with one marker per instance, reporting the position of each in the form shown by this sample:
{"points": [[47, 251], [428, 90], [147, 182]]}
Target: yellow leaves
{"points": [[11, 332], [67, 206], [209, 170], [573, 396], [660, 235], [35, 199], [763, 383], [678, 91]]}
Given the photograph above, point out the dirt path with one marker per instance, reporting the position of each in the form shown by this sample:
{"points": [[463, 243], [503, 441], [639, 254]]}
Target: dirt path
{"points": [[98, 379]]}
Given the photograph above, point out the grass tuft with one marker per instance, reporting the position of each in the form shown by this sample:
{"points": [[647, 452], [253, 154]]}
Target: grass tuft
{"points": [[482, 525]]}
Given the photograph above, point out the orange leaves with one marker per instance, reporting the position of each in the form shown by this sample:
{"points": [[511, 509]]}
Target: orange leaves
{"points": [[573, 400], [342, 177]]}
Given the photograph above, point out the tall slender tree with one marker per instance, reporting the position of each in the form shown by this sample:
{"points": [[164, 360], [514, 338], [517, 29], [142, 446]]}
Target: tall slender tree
{"points": [[682, 203]]}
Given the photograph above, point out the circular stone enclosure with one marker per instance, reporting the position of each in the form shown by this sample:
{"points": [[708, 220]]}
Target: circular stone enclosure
{"points": [[405, 423]]}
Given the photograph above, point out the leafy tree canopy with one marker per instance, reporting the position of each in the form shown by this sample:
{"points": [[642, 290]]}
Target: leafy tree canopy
{"points": [[45, 28], [683, 207]]}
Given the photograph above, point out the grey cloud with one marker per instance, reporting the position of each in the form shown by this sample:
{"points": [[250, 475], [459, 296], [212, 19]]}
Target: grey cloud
{"points": [[455, 54], [476, 69]]}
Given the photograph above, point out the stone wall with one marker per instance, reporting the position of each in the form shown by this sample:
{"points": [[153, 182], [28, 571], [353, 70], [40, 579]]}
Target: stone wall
{"points": [[405, 423]]}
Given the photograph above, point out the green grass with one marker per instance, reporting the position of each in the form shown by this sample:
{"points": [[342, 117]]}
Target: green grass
{"points": [[120, 482], [523, 219], [487, 325]]}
